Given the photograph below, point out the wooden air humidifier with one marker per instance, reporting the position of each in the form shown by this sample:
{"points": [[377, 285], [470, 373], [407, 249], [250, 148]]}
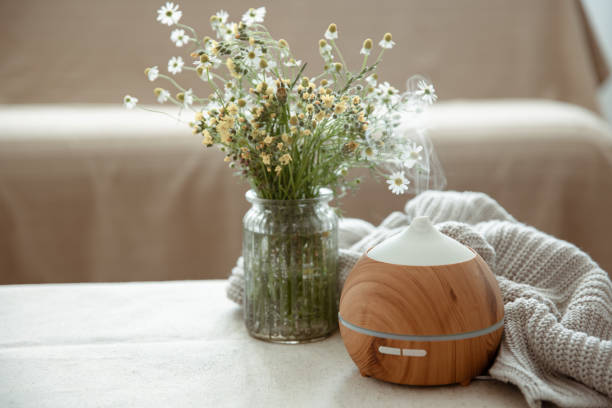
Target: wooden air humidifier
{"points": [[422, 309]]}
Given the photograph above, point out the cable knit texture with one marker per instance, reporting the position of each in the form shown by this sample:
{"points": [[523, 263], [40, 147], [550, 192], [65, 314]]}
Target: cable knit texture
{"points": [[557, 343]]}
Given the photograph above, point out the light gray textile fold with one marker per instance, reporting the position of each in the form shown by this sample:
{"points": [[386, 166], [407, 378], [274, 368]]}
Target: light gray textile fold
{"points": [[558, 303]]}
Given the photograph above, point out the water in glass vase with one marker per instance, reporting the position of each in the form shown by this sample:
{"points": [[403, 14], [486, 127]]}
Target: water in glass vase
{"points": [[290, 251]]}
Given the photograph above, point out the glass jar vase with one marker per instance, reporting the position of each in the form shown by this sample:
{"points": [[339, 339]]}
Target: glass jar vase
{"points": [[290, 251]]}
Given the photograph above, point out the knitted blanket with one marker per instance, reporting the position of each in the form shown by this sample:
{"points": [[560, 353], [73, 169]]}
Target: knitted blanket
{"points": [[557, 342]]}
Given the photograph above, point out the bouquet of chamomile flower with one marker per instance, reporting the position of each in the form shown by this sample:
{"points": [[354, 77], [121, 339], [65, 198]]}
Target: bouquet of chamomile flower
{"points": [[289, 134]]}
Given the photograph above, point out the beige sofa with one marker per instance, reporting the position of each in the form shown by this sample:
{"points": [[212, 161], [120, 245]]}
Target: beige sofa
{"points": [[95, 193], [136, 197], [66, 51]]}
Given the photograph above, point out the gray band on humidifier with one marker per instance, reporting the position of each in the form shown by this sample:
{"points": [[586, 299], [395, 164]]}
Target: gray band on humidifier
{"points": [[409, 337]]}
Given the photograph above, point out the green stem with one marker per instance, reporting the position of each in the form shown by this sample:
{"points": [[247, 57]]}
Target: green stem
{"points": [[172, 81]]}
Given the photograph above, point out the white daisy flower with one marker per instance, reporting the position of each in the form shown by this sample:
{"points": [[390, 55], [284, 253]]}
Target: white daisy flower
{"points": [[398, 184], [222, 16], [283, 48], [293, 63], [175, 65], [213, 62], [427, 92], [366, 48], [227, 32], [369, 153], [414, 155], [219, 19], [371, 80], [230, 93], [129, 101], [253, 56], [178, 37], [268, 64], [153, 73], [169, 14], [332, 32], [163, 96], [254, 16], [387, 41], [387, 88], [188, 97], [386, 92], [330, 68], [325, 49]]}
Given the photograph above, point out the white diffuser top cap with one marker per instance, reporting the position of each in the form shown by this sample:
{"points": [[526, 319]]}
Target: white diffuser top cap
{"points": [[421, 244]]}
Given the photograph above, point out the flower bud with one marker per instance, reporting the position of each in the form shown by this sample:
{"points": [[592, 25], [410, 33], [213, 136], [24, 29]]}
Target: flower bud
{"points": [[241, 103], [281, 94], [332, 28], [282, 43], [322, 43], [338, 66], [200, 70], [263, 64], [367, 44], [388, 37]]}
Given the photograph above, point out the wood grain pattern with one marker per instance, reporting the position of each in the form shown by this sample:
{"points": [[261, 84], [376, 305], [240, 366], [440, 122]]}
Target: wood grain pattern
{"points": [[422, 300]]}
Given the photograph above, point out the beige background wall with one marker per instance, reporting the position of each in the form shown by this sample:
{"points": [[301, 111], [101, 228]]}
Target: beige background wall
{"points": [[95, 51]]}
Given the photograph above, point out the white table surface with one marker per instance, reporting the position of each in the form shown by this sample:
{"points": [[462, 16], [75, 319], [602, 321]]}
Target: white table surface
{"points": [[181, 344]]}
